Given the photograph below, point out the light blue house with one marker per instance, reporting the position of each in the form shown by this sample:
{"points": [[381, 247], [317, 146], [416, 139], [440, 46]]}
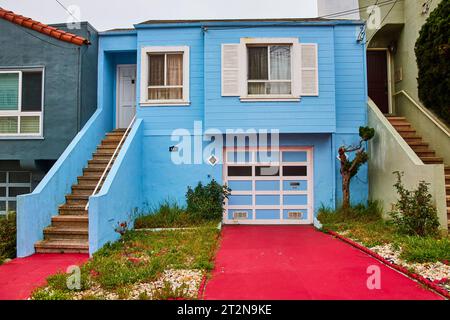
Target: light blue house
{"points": [[261, 105]]}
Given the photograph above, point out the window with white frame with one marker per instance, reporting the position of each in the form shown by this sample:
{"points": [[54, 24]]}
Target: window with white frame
{"points": [[12, 184], [269, 69], [165, 75], [21, 102]]}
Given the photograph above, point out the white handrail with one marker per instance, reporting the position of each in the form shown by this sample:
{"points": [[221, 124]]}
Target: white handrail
{"points": [[111, 160], [424, 111]]}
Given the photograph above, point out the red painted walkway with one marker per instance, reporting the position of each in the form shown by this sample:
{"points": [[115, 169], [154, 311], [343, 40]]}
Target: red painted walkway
{"points": [[20, 276], [299, 262]]}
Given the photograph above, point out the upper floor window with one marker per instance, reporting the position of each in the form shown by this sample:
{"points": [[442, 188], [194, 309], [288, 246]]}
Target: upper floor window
{"points": [[21, 103], [269, 70], [165, 76]]}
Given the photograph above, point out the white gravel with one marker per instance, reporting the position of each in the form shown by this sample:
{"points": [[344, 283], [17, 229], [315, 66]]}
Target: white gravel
{"points": [[433, 271], [189, 279]]}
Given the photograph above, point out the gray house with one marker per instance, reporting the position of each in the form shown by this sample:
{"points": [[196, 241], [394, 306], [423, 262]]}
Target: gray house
{"points": [[48, 86]]}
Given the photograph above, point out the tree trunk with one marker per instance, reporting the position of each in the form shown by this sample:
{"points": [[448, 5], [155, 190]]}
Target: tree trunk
{"points": [[345, 191]]}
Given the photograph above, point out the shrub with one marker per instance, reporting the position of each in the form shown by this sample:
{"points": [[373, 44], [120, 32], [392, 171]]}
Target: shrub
{"points": [[7, 237], [432, 54], [415, 213], [206, 201]]}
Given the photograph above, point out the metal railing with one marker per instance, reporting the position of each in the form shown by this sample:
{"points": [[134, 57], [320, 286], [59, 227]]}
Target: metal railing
{"points": [[111, 160]]}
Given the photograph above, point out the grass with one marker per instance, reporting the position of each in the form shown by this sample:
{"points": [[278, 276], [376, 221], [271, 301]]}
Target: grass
{"points": [[365, 224], [170, 215], [140, 256]]}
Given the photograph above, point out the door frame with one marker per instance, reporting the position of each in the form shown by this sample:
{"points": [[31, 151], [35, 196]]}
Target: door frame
{"points": [[117, 89], [389, 61], [309, 178]]}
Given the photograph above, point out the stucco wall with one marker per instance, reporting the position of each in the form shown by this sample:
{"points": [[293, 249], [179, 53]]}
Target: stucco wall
{"points": [[388, 153], [63, 95]]}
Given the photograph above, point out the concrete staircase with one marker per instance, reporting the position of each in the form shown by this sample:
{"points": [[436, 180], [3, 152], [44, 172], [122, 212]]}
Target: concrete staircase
{"points": [[68, 232], [422, 149]]}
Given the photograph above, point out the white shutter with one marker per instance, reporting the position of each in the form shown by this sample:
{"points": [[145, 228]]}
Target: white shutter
{"points": [[230, 69], [310, 75]]}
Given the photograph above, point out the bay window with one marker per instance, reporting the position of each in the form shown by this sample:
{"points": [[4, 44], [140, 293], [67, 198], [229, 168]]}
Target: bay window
{"points": [[21, 96]]}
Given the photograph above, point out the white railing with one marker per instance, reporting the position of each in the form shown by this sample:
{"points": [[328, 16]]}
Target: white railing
{"points": [[424, 111], [111, 160]]}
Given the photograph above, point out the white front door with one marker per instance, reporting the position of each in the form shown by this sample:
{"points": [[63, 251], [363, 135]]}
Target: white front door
{"points": [[275, 190], [126, 95]]}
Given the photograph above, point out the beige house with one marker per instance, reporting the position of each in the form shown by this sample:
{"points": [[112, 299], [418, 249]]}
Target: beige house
{"points": [[410, 138]]}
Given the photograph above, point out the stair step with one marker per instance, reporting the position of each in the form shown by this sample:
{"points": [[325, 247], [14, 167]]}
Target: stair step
{"points": [[404, 130], [107, 147], [62, 246], [410, 140], [432, 160], [91, 179], [447, 189], [57, 233], [420, 149], [89, 169], [83, 189], [115, 134], [418, 144], [70, 221], [426, 154], [100, 156], [395, 118], [106, 152], [447, 179], [447, 170], [409, 135], [78, 199], [66, 209]]}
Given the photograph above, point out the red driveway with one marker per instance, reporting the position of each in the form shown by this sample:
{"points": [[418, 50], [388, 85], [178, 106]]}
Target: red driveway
{"points": [[20, 276], [299, 262]]}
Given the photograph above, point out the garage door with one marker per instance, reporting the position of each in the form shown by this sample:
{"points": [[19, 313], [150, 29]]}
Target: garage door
{"points": [[269, 187]]}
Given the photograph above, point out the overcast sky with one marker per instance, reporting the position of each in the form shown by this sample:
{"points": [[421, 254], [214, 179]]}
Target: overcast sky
{"points": [[110, 14]]}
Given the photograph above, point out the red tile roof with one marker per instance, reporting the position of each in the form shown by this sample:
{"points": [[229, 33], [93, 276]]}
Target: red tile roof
{"points": [[42, 28]]}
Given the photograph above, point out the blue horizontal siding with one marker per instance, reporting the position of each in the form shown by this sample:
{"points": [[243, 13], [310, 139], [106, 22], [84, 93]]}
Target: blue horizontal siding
{"points": [[350, 73], [311, 114]]}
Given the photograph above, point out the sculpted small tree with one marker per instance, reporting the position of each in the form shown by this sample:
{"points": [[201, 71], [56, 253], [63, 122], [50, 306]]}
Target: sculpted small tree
{"points": [[349, 168]]}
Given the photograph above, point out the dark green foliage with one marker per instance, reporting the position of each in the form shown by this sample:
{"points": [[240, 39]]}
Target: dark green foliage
{"points": [[8, 237], [366, 133], [433, 55], [206, 201], [204, 206], [415, 213]]}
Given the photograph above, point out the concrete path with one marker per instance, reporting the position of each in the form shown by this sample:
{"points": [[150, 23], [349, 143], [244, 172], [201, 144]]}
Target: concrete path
{"points": [[19, 277], [299, 262]]}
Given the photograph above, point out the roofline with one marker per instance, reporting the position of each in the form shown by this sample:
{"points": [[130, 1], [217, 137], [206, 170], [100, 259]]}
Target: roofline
{"points": [[121, 32], [245, 22], [81, 22], [51, 31]]}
